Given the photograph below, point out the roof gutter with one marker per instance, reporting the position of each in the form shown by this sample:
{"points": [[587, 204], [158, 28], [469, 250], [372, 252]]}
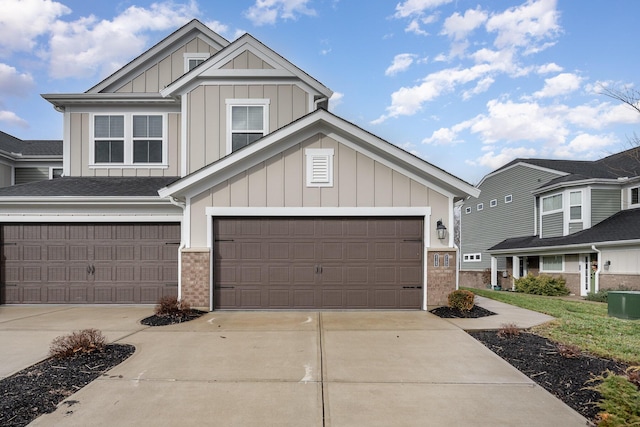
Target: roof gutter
{"points": [[562, 248]]}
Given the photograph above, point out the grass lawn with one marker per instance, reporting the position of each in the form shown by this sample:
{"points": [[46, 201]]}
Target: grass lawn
{"points": [[582, 323]]}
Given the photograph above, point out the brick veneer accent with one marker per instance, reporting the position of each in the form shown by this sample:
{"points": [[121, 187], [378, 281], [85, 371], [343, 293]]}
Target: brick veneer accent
{"points": [[195, 277], [441, 280], [615, 281]]}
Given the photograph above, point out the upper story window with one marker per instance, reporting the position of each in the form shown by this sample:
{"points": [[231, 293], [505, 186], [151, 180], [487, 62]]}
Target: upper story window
{"points": [[634, 196], [472, 257], [128, 139], [552, 203], [575, 205], [508, 198], [467, 210], [247, 121], [493, 203], [192, 60], [480, 206]]}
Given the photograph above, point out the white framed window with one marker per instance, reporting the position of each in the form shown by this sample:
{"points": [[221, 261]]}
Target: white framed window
{"points": [[493, 203], [472, 257], [467, 210], [575, 205], [192, 60], [319, 163], [552, 263], [247, 121], [633, 196], [508, 198], [480, 206], [436, 260], [55, 173], [552, 203], [129, 140]]}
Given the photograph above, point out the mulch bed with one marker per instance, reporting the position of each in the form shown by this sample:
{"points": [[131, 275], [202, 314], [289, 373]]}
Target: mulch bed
{"points": [[451, 313], [173, 318], [38, 389]]}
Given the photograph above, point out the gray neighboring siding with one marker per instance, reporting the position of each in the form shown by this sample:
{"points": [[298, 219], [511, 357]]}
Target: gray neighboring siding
{"points": [[482, 229], [604, 203], [574, 227], [26, 175], [552, 225]]}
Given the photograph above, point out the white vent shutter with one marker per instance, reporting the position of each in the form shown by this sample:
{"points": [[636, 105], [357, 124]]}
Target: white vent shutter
{"points": [[319, 167]]}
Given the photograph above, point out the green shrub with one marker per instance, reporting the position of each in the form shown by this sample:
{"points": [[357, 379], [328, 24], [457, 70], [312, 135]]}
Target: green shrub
{"points": [[461, 299], [620, 403], [85, 341], [542, 285], [171, 306], [600, 296]]}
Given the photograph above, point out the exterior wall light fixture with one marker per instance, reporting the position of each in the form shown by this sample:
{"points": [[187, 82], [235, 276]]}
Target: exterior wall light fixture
{"points": [[441, 229]]}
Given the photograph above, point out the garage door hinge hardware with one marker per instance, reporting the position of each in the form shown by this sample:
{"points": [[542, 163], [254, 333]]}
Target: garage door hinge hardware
{"points": [[412, 240], [224, 240], [225, 287], [8, 244], [412, 287], [171, 243], [91, 269]]}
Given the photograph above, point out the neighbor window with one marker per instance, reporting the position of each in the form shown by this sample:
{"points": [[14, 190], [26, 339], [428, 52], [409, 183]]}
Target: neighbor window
{"points": [[634, 196], [493, 203], [467, 210], [472, 257], [552, 263], [480, 206], [508, 199], [247, 122], [552, 203], [575, 205], [108, 132]]}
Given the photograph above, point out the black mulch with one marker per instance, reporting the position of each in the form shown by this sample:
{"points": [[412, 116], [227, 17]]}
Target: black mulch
{"points": [[38, 389], [172, 319], [450, 313], [539, 359]]}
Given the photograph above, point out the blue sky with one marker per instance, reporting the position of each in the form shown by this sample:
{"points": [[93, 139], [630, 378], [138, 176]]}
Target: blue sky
{"points": [[466, 85]]}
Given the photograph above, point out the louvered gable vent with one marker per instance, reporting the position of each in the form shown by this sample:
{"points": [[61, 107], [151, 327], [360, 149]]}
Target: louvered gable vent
{"points": [[319, 167]]}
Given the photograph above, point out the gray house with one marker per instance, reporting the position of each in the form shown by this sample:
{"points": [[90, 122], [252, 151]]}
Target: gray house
{"points": [[577, 219], [22, 162]]}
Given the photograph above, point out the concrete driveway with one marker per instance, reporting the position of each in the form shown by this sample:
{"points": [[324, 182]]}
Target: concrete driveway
{"points": [[289, 369]]}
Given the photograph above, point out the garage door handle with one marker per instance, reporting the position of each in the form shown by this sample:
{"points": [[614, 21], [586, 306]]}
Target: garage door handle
{"points": [[91, 269], [412, 287], [225, 287], [412, 240], [224, 240], [318, 269]]}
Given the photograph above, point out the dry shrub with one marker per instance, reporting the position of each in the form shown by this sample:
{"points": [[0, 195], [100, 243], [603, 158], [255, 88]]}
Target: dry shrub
{"points": [[508, 330], [85, 341], [633, 375], [569, 351], [171, 306], [461, 299]]}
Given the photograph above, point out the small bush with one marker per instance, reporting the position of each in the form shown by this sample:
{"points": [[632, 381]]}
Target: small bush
{"points": [[508, 330], [600, 296], [542, 285], [85, 341], [620, 403], [461, 300], [171, 306]]}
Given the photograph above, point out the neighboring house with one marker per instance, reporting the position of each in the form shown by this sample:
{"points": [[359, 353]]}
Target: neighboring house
{"points": [[22, 162], [577, 219], [212, 171]]}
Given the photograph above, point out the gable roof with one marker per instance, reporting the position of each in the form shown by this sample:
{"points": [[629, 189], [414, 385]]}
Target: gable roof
{"points": [[319, 121], [623, 226], [213, 68], [17, 148], [192, 28], [89, 187]]}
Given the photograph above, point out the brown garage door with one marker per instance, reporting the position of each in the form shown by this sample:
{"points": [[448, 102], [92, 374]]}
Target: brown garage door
{"points": [[311, 263], [88, 263]]}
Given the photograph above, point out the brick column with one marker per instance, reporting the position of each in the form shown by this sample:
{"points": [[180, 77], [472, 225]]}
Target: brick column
{"points": [[441, 279], [196, 277]]}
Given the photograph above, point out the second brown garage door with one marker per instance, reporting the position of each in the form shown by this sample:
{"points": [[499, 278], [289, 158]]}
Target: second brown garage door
{"points": [[318, 263]]}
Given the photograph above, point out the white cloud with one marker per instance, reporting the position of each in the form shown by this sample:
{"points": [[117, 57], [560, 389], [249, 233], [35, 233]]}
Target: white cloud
{"points": [[482, 86], [335, 100], [9, 118], [586, 146], [552, 67], [561, 84], [493, 161], [27, 20], [13, 82], [417, 7], [269, 11], [88, 46], [401, 62], [458, 26], [523, 26], [218, 27], [414, 27], [442, 136]]}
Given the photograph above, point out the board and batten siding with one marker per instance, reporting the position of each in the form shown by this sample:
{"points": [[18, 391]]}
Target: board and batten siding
{"points": [[483, 229], [168, 69], [80, 140], [604, 203], [358, 181], [207, 116], [247, 61]]}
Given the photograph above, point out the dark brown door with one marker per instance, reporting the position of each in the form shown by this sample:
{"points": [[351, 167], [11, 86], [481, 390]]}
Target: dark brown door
{"points": [[311, 263], [88, 263]]}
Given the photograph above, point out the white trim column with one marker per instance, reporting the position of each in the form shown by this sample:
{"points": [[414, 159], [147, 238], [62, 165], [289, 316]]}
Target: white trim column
{"points": [[494, 272], [516, 271]]}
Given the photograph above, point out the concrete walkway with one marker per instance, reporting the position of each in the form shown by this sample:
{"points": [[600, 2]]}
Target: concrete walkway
{"points": [[290, 369]]}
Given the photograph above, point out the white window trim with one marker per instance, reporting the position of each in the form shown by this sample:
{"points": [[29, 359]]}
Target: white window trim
{"points": [[128, 141], [264, 102], [508, 198], [311, 155], [635, 205], [544, 270], [493, 203], [581, 219], [480, 206], [477, 257], [193, 55], [467, 210], [542, 199]]}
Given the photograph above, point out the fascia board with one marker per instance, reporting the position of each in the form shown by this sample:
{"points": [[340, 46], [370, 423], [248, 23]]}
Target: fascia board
{"points": [[579, 183], [189, 30], [82, 200], [555, 250], [62, 100]]}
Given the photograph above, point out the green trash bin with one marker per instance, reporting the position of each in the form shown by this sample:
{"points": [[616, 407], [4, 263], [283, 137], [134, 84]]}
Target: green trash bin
{"points": [[624, 304]]}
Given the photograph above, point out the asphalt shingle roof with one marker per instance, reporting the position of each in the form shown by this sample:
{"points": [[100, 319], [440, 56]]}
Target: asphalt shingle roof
{"points": [[11, 144], [90, 187], [624, 225]]}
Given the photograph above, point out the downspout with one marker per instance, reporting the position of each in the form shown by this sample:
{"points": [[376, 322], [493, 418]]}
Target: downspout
{"points": [[457, 266], [597, 273], [181, 205], [318, 101]]}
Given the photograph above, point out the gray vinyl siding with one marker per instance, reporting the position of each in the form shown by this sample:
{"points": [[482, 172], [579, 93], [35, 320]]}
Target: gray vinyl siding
{"points": [[552, 225], [574, 227], [26, 175], [482, 229], [604, 203]]}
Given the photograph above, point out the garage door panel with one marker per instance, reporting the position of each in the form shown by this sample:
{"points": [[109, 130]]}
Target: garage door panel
{"points": [[339, 263], [103, 263]]}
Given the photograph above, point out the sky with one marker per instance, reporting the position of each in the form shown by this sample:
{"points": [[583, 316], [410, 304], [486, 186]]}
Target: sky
{"points": [[466, 85]]}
